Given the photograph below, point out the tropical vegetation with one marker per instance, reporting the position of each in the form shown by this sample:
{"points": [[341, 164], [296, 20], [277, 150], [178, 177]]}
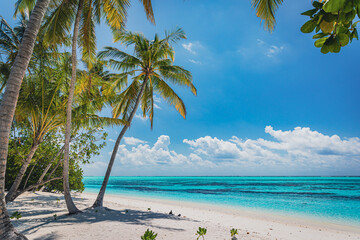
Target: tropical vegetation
{"points": [[49, 104]]}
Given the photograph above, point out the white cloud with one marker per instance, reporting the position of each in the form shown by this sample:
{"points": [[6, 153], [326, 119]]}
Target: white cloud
{"points": [[262, 49], [141, 117], [189, 47], [195, 61], [112, 140], [193, 47], [144, 154], [133, 141], [300, 148], [273, 51]]}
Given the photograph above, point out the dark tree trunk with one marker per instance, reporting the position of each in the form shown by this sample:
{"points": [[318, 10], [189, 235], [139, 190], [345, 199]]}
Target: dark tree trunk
{"points": [[8, 105], [100, 198]]}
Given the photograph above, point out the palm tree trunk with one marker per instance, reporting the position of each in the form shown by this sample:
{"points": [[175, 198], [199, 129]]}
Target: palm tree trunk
{"points": [[100, 198], [69, 202], [49, 165], [51, 173], [27, 178], [35, 186], [20, 175], [8, 105]]}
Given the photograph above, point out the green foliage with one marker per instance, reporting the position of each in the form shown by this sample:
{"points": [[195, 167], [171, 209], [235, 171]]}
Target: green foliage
{"points": [[16, 215], [233, 232], [334, 23], [201, 232], [151, 66], [84, 145], [55, 217], [149, 235]]}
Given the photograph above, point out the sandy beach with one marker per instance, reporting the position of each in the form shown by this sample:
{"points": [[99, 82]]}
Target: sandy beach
{"points": [[129, 217]]}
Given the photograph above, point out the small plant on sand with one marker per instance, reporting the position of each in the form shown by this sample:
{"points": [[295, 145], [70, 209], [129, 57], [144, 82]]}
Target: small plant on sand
{"points": [[201, 232], [55, 216], [16, 215], [149, 209], [58, 200], [233, 232], [149, 235]]}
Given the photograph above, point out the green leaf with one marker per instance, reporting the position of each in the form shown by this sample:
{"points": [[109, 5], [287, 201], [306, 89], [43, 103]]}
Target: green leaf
{"points": [[310, 12], [327, 27], [320, 42], [350, 16], [308, 27], [325, 49], [335, 47], [334, 5], [348, 7], [317, 5], [343, 39], [330, 17], [354, 24], [320, 35]]}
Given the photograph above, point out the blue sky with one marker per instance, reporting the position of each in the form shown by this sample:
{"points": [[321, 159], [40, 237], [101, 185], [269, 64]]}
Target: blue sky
{"points": [[247, 81]]}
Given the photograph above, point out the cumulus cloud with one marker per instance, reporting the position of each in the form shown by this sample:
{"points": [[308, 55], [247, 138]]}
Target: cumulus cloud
{"points": [[298, 148], [158, 154], [133, 141]]}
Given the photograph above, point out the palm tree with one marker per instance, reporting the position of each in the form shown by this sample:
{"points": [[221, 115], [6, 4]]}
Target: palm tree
{"points": [[85, 14], [8, 106], [150, 68], [40, 108]]}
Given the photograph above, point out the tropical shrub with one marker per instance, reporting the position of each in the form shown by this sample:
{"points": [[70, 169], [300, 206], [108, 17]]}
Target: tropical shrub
{"points": [[201, 232], [149, 235]]}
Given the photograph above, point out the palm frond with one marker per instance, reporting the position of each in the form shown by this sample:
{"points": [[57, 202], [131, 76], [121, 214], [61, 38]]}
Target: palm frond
{"points": [[169, 95], [265, 9], [148, 10], [87, 34]]}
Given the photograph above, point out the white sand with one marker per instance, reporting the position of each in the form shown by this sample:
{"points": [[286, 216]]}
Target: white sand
{"points": [[38, 221]]}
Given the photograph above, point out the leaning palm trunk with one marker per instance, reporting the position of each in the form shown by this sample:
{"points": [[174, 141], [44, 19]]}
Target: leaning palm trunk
{"points": [[35, 186], [69, 202], [100, 198], [8, 105], [49, 165], [28, 177], [50, 174], [20, 175]]}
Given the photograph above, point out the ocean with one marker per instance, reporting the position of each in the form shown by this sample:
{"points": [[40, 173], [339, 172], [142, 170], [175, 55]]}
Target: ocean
{"points": [[334, 198]]}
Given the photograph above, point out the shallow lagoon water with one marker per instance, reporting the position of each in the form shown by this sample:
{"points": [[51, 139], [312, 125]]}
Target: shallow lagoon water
{"points": [[334, 198]]}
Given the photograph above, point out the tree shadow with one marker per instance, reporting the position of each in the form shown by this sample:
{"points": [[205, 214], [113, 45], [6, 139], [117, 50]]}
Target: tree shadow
{"points": [[88, 215]]}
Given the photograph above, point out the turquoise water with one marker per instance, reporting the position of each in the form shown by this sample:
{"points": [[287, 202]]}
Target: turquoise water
{"points": [[335, 198]]}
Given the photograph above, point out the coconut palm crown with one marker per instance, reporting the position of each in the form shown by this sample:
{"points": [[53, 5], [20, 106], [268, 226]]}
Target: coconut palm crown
{"points": [[150, 65]]}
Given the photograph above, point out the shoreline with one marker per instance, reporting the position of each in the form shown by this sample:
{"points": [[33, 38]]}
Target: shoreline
{"points": [[250, 211], [256, 213], [129, 217]]}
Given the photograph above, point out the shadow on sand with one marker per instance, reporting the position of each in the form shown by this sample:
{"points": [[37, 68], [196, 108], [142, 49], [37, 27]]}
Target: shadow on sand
{"points": [[88, 215]]}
